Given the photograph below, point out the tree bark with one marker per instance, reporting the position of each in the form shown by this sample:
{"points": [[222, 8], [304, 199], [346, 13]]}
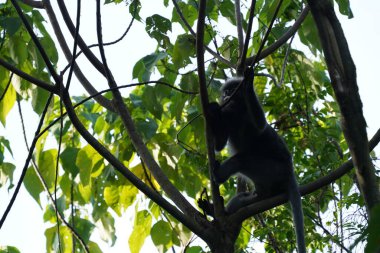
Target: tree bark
{"points": [[343, 79]]}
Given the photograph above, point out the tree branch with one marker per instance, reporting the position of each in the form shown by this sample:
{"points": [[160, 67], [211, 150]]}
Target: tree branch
{"points": [[106, 103], [242, 60], [342, 72], [26, 164], [29, 78], [136, 140], [261, 206], [34, 4], [239, 27], [41, 50], [150, 193], [87, 52], [216, 55], [270, 49], [218, 204]]}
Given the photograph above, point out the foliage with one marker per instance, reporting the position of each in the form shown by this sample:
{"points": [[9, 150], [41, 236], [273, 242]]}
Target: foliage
{"points": [[302, 110]]}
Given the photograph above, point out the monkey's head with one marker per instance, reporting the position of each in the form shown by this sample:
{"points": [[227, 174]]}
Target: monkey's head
{"points": [[235, 102]]}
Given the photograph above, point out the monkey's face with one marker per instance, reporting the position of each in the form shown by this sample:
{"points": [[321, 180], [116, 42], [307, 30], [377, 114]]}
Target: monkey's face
{"points": [[231, 100]]}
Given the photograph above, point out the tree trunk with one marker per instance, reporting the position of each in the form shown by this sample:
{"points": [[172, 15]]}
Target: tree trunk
{"points": [[343, 78]]}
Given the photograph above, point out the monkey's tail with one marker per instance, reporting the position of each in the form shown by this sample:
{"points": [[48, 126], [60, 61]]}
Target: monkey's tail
{"points": [[295, 203]]}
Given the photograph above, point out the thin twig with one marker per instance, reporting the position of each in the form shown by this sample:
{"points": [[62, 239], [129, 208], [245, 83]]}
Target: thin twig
{"points": [[42, 84], [36, 41], [26, 164], [6, 87], [110, 89], [66, 51], [75, 46], [216, 55], [288, 34], [285, 62], [257, 57], [243, 57], [34, 4], [218, 205], [239, 27], [108, 43]]}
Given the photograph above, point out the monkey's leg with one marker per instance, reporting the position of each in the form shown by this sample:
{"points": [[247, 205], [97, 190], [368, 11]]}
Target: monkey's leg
{"points": [[229, 167], [240, 200]]}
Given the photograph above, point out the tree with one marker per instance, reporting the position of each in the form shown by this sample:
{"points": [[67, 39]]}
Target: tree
{"points": [[150, 148]]}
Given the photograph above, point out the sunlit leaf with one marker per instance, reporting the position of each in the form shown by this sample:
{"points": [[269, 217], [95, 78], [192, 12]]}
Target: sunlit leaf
{"points": [[47, 166], [161, 233], [141, 229], [33, 184]]}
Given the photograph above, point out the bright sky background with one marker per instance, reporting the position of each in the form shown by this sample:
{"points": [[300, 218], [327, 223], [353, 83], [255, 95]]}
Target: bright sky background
{"points": [[24, 227]]}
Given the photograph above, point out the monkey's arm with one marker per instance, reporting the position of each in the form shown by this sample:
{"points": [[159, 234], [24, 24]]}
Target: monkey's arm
{"points": [[255, 111], [218, 127]]}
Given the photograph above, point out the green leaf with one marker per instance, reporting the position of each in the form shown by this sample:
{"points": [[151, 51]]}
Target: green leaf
{"points": [[161, 234], [100, 125], [9, 249], [33, 184], [4, 143], [134, 9], [227, 9], [39, 99], [147, 127], [85, 192], [52, 242], [106, 226], [84, 228], [6, 173], [68, 160], [47, 166], [194, 249], [157, 27], [144, 67], [9, 98], [119, 197], [141, 229], [373, 245], [87, 161], [184, 48], [189, 12], [10, 24], [345, 8], [151, 101], [18, 50], [94, 247]]}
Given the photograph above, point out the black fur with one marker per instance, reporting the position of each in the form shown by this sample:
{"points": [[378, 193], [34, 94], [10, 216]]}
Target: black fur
{"points": [[257, 151]]}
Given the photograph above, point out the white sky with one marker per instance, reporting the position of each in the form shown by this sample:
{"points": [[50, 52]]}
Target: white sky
{"points": [[24, 227]]}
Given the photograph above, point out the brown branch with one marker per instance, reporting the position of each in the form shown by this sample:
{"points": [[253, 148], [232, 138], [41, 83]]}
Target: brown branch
{"points": [[270, 49], [218, 204], [119, 166], [342, 72], [83, 46], [37, 43], [216, 55], [106, 103], [239, 27], [270, 203], [136, 139], [34, 4], [242, 60]]}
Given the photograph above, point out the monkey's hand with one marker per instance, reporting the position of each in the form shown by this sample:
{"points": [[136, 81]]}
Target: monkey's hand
{"points": [[206, 206]]}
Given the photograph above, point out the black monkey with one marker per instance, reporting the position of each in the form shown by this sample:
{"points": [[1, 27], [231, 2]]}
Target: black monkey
{"points": [[257, 151]]}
